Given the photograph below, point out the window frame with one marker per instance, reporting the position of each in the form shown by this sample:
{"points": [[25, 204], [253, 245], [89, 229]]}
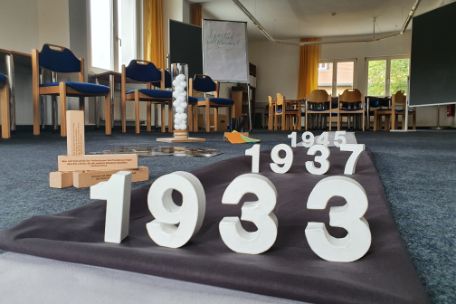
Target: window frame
{"points": [[114, 35], [334, 76], [387, 71]]}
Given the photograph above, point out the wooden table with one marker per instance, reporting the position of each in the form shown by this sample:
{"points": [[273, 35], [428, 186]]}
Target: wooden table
{"points": [[11, 57], [271, 111]]}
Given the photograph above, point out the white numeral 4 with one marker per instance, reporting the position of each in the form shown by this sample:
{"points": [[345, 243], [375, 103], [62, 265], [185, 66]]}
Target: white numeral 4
{"points": [[350, 217], [259, 212], [174, 225], [117, 192], [323, 139], [350, 166]]}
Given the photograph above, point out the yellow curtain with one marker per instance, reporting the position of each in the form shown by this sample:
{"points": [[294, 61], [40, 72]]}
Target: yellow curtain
{"points": [[196, 14], [153, 32], [309, 57]]}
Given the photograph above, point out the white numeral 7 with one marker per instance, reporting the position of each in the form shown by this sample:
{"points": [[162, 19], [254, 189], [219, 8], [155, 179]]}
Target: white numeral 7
{"points": [[350, 166]]}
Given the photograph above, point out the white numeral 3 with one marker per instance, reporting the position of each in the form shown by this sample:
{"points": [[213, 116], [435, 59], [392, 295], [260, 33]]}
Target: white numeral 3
{"points": [[349, 216], [259, 212]]}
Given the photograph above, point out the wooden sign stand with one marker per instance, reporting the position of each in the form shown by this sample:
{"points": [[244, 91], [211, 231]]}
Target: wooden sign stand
{"points": [[80, 170]]}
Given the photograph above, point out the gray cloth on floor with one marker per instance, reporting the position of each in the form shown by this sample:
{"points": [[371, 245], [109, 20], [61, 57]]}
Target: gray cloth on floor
{"points": [[289, 270], [29, 279]]}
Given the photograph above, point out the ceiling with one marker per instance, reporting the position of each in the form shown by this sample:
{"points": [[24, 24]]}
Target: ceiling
{"points": [[292, 19]]}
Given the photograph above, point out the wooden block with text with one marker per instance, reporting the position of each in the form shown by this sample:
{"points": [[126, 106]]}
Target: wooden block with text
{"points": [[75, 133], [60, 179], [90, 178], [99, 162]]}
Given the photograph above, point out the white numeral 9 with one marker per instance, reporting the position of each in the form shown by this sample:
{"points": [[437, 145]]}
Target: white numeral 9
{"points": [[350, 166], [174, 225], [308, 139], [117, 192], [286, 161], [321, 159], [259, 212], [350, 217]]}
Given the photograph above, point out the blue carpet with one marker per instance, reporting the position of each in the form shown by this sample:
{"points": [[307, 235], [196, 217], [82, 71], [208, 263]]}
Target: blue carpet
{"points": [[417, 169]]}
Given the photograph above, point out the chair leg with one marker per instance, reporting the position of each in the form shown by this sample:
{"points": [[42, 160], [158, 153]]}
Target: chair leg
{"points": [[124, 116], [275, 122], [414, 120], [63, 105], [230, 118], [306, 122], [36, 112], [5, 112], [162, 113], [375, 121], [216, 119], [190, 118], [363, 121], [137, 118], [339, 117], [207, 117], [81, 103], [108, 118], [270, 118], [393, 120], [149, 117], [170, 117], [284, 119]]}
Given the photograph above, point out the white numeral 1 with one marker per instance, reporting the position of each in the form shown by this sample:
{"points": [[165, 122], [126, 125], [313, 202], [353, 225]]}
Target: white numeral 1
{"points": [[286, 161], [321, 159], [254, 152], [293, 137], [174, 225], [350, 165], [349, 216], [117, 192], [259, 212]]}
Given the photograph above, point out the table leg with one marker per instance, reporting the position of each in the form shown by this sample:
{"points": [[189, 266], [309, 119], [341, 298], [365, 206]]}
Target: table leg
{"points": [[12, 85], [112, 87]]}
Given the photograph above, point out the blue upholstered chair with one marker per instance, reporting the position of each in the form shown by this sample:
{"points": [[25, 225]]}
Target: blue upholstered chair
{"points": [[155, 92], [210, 90], [61, 60], [5, 106]]}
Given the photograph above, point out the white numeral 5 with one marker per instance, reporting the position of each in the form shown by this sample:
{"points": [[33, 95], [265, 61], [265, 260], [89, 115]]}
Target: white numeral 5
{"points": [[350, 217], [259, 212], [174, 225], [339, 138], [321, 159], [117, 192]]}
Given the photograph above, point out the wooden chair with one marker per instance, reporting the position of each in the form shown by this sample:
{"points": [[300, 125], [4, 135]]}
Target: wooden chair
{"points": [[398, 108], [318, 103], [289, 113], [204, 84], [351, 104], [271, 106], [61, 60], [5, 106], [145, 72], [374, 103]]}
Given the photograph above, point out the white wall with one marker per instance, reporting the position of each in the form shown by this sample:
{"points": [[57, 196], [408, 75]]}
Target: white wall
{"points": [[278, 66]]}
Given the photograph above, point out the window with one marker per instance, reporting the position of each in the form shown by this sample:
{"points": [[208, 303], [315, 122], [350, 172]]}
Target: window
{"points": [[325, 76], [387, 76], [376, 78], [336, 76], [114, 33]]}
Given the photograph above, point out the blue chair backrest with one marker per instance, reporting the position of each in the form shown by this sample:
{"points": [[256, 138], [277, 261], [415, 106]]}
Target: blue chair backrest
{"points": [[204, 83], [143, 71], [59, 59]]}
